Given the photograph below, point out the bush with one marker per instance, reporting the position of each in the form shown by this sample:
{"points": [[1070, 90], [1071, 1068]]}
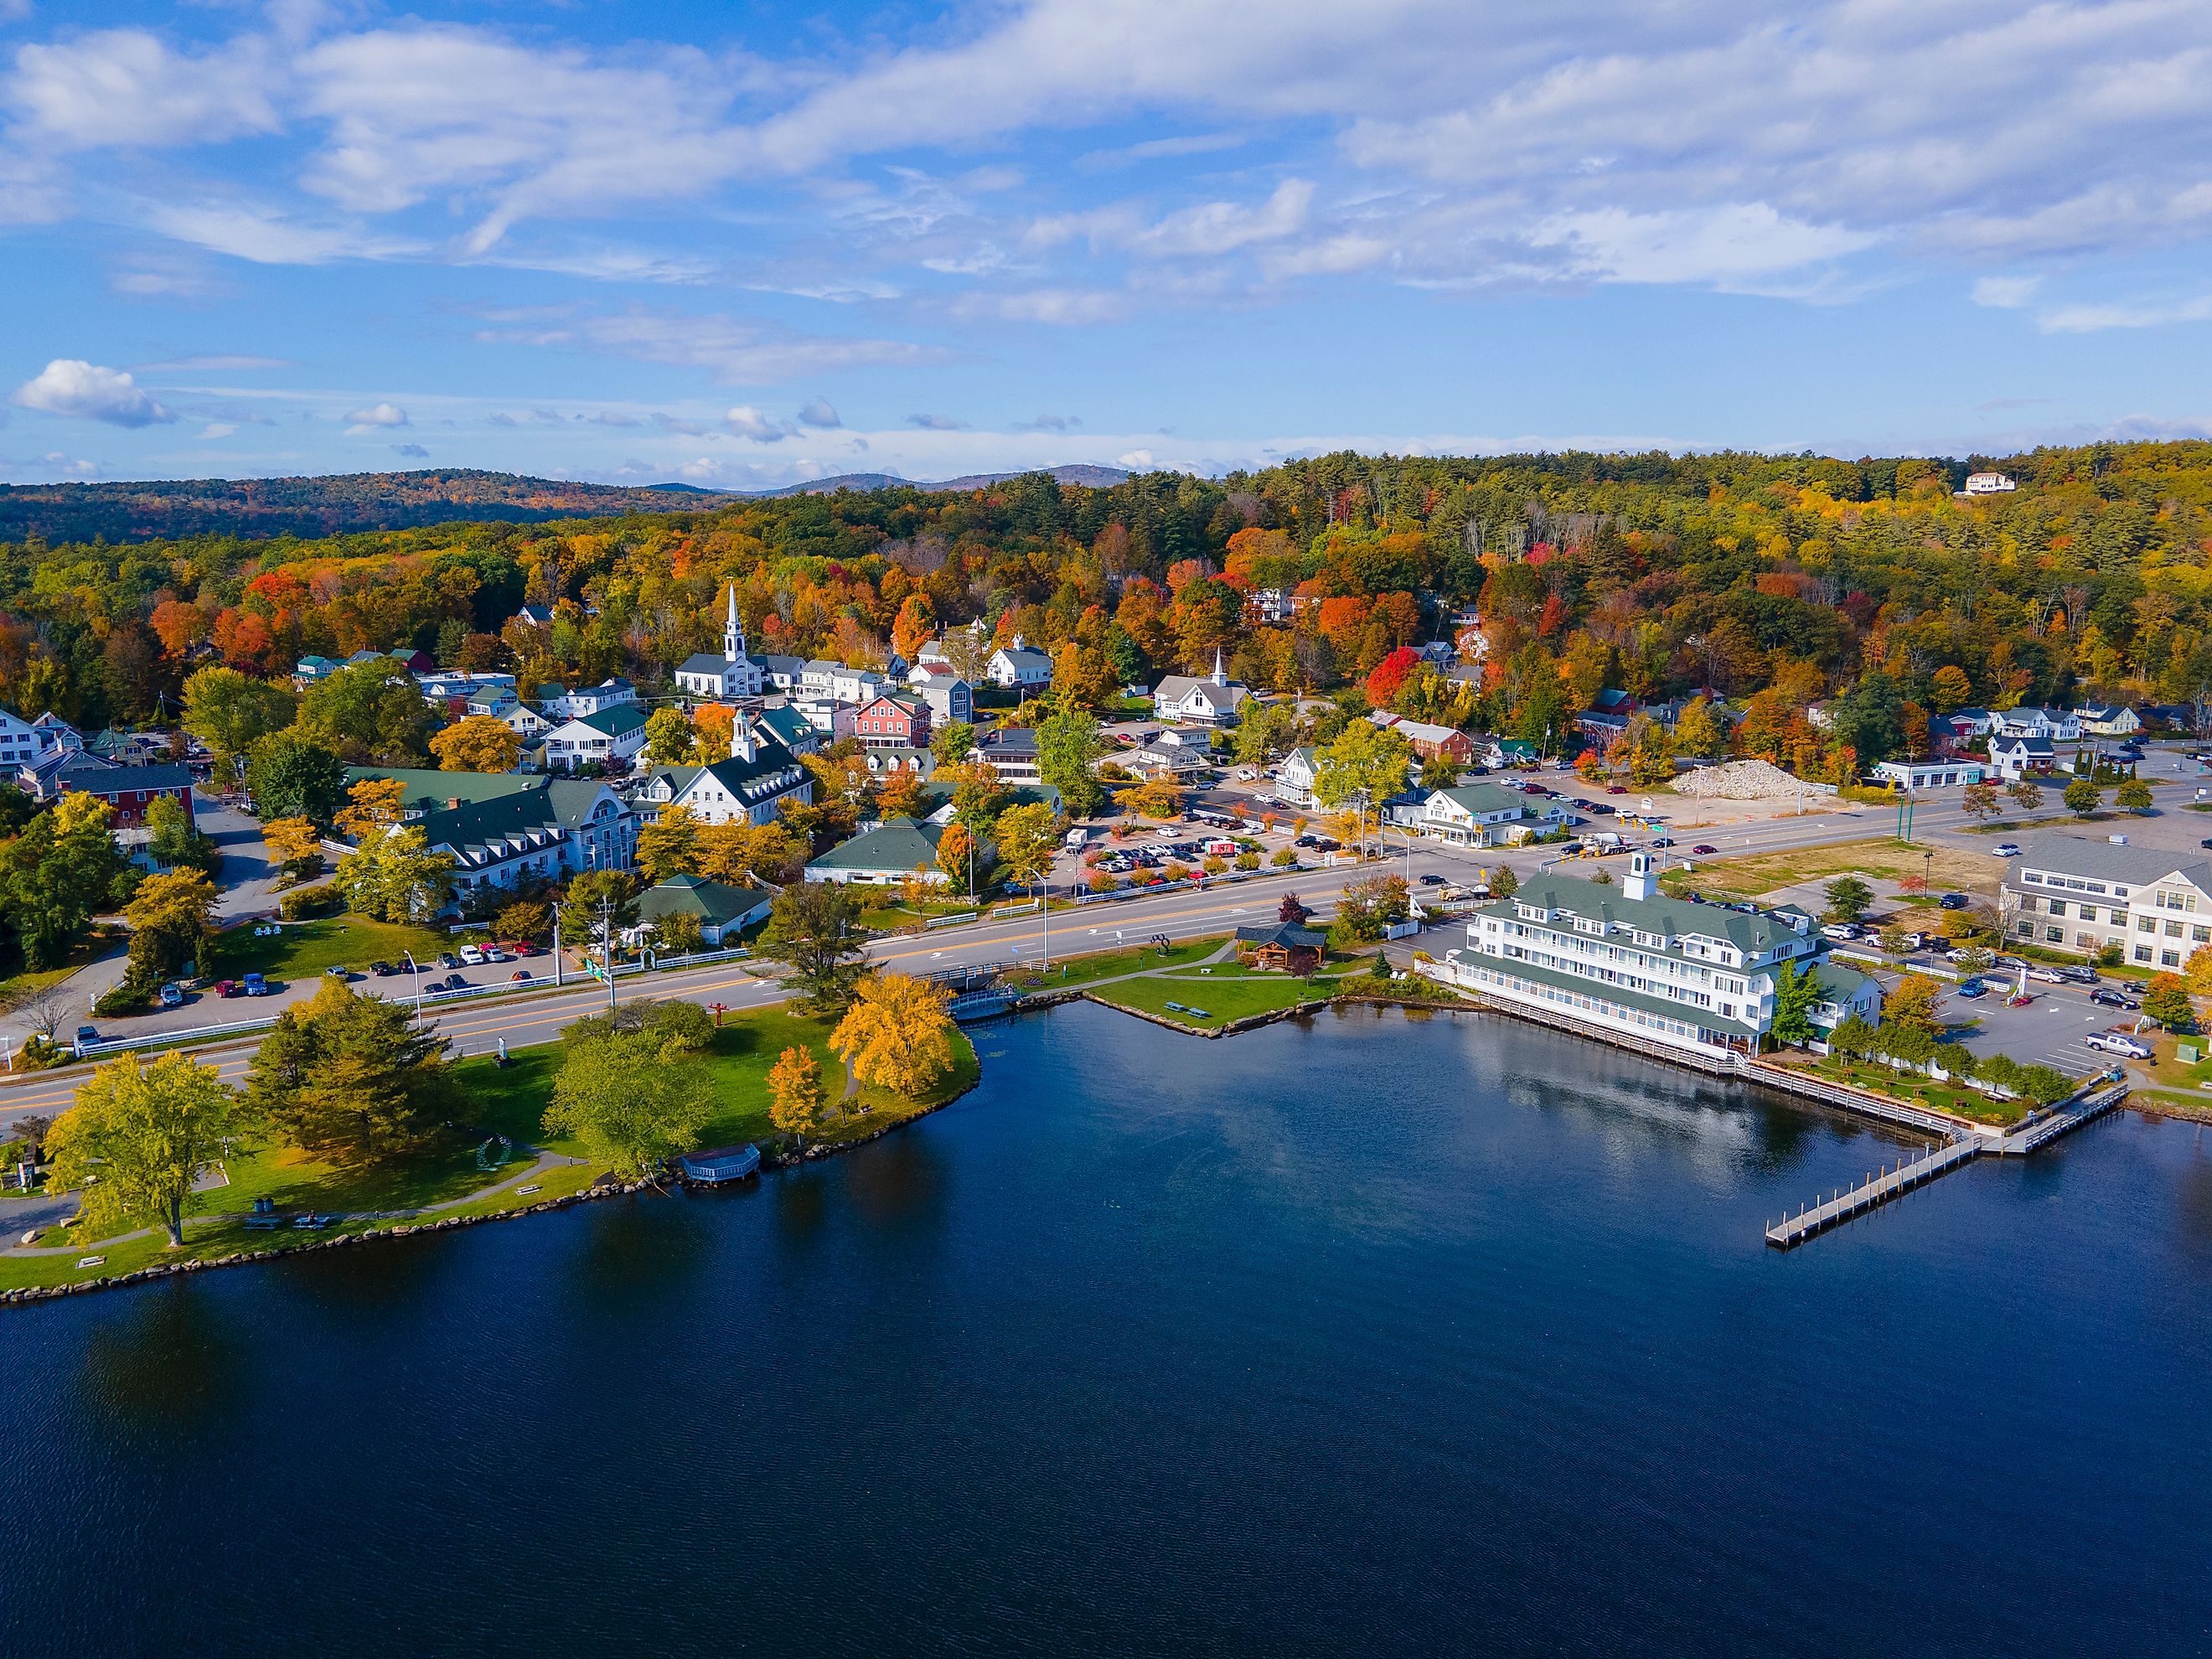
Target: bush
{"points": [[1285, 857], [1214, 867], [303, 903], [126, 998], [1102, 883], [1248, 860]]}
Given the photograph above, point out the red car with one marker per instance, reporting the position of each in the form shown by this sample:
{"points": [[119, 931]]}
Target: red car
{"points": [[517, 947]]}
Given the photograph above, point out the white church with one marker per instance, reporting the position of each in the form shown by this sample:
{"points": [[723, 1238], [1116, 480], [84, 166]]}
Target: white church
{"points": [[732, 674]]}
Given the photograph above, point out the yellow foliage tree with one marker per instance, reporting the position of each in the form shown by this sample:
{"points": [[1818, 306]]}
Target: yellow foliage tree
{"points": [[669, 846], [794, 1092], [749, 854], [295, 843], [898, 1034], [377, 804], [478, 744]]}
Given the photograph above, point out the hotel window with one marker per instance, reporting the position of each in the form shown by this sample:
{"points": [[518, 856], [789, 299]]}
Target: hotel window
{"points": [[2143, 953], [2145, 923], [2173, 930], [2169, 958], [2059, 907], [2054, 934]]}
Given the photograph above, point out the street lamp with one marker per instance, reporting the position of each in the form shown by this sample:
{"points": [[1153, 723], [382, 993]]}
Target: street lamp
{"points": [[414, 967]]}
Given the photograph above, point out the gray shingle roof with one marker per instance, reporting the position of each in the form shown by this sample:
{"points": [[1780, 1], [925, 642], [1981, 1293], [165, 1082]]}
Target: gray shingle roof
{"points": [[898, 844], [2103, 861]]}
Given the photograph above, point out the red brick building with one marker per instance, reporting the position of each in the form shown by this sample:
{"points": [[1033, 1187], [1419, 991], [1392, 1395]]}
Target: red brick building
{"points": [[129, 790]]}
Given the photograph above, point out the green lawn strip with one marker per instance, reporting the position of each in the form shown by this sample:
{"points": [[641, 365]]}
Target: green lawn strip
{"points": [[304, 949], [1965, 1102], [88, 951], [1223, 1000], [1108, 964]]}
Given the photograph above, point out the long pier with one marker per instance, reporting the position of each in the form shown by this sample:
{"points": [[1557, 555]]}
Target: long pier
{"points": [[1875, 1190]]}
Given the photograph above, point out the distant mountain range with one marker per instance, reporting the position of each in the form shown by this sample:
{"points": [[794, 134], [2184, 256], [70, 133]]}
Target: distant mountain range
{"points": [[386, 500], [1097, 477]]}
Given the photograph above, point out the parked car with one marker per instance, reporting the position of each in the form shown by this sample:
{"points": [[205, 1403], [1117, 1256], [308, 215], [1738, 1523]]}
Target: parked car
{"points": [[2047, 976], [171, 996], [452, 982], [472, 956], [1970, 988], [2010, 849], [1701, 850], [522, 948], [448, 959], [493, 953], [519, 976], [1432, 879], [257, 985], [2105, 997], [1842, 931], [382, 970], [1952, 902], [2078, 975], [2118, 1041], [341, 975], [87, 1034], [228, 987]]}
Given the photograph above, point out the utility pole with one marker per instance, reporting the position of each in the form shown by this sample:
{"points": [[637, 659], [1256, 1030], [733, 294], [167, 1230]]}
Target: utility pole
{"points": [[557, 944], [607, 949]]}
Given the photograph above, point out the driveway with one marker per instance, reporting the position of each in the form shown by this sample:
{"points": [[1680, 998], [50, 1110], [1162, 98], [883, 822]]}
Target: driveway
{"points": [[246, 877]]}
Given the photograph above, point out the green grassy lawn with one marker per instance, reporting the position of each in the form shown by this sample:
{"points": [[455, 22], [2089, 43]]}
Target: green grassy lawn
{"points": [[1106, 964], [507, 1100], [1223, 997], [304, 949], [88, 949], [1951, 1097]]}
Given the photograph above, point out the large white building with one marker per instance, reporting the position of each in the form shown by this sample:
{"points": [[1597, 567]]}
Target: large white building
{"points": [[1201, 699], [749, 787], [727, 676], [1694, 976], [2069, 893]]}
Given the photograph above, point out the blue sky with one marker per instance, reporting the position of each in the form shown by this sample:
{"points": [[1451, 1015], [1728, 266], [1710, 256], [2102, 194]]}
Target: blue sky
{"points": [[747, 243]]}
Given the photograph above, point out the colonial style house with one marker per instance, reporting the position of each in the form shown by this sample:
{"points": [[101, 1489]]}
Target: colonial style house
{"points": [[2016, 757], [939, 684], [1698, 977], [614, 734], [2109, 720], [1487, 815], [592, 700], [1193, 700], [128, 790], [1012, 752], [728, 674], [504, 829], [891, 723], [2057, 724], [750, 787], [1429, 740], [2069, 893], [1017, 668], [22, 742], [1295, 776], [788, 727]]}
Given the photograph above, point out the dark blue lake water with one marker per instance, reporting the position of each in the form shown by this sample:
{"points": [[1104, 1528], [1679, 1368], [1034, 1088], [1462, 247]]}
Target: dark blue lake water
{"points": [[1381, 1335]]}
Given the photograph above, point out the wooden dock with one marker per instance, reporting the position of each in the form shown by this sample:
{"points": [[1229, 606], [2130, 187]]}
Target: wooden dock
{"points": [[2065, 1120], [1875, 1190]]}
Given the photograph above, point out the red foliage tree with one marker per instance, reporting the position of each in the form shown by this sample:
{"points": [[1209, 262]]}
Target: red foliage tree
{"points": [[1389, 675]]}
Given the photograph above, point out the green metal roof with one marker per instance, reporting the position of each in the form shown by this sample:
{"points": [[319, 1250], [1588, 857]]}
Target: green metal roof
{"points": [[425, 790], [711, 902], [617, 721], [1671, 918], [899, 844], [1480, 798]]}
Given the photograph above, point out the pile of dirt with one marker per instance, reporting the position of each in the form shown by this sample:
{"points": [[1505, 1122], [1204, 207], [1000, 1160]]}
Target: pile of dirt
{"points": [[1747, 780]]}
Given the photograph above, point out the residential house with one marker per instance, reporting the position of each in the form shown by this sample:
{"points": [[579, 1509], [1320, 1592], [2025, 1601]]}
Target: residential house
{"points": [[310, 670], [128, 790], [23, 741], [592, 700], [750, 787], [1427, 739], [1017, 668], [893, 851], [2058, 725], [536, 615], [1914, 776], [788, 727], [1844, 993], [613, 735], [129, 748], [727, 674], [546, 831], [721, 911], [1696, 977], [1487, 815], [2069, 893], [1968, 725], [892, 722], [950, 697], [2018, 758], [1171, 753], [1295, 775], [502, 705], [883, 761], [781, 672], [2109, 720], [1012, 751], [1989, 483]]}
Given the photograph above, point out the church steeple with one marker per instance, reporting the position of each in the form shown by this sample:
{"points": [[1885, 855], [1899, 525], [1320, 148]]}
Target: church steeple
{"points": [[1220, 674], [733, 631]]}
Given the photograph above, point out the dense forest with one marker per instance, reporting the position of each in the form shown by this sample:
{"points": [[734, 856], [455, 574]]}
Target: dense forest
{"points": [[1771, 583]]}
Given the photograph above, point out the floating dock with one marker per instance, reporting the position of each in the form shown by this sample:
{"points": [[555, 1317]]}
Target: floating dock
{"points": [[1875, 1190]]}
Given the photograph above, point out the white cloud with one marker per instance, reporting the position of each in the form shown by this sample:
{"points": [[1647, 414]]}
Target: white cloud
{"points": [[265, 236], [1222, 227], [214, 361], [818, 411], [1137, 460], [217, 429], [2095, 318], [1064, 307], [936, 424], [412, 452], [747, 422], [2005, 292], [736, 353], [376, 417], [70, 385], [1726, 246], [123, 88]]}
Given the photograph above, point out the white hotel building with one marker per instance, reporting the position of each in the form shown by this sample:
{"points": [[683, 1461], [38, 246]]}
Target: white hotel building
{"points": [[1698, 977]]}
